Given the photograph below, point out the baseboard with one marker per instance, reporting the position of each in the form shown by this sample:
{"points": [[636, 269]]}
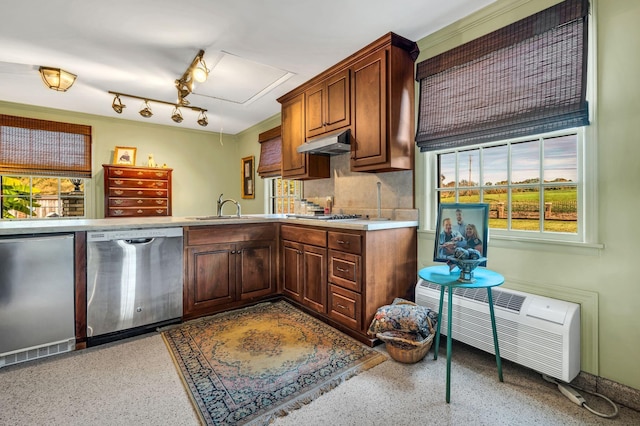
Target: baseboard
{"points": [[620, 394]]}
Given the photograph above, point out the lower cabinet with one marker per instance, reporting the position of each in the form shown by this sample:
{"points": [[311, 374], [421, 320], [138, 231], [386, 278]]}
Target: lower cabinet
{"points": [[346, 275], [226, 266], [304, 266]]}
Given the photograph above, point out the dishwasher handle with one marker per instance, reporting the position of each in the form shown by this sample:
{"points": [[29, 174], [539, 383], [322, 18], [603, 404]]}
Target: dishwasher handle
{"points": [[140, 241]]}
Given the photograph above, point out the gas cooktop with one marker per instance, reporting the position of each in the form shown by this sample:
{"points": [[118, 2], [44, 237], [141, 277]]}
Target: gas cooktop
{"points": [[327, 217]]}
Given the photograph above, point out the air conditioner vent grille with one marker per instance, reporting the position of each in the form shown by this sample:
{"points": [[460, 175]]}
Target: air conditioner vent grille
{"points": [[512, 302]]}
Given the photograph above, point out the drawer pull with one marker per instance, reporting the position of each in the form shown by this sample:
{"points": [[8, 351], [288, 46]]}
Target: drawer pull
{"points": [[159, 202], [159, 192], [140, 173], [118, 192], [140, 182], [346, 243], [117, 172], [140, 201], [342, 306], [118, 202], [118, 182], [118, 212], [341, 270], [140, 192], [159, 211], [140, 211]]}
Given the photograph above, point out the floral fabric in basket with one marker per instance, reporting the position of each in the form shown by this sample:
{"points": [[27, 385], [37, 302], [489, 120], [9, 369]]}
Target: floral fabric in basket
{"points": [[404, 316]]}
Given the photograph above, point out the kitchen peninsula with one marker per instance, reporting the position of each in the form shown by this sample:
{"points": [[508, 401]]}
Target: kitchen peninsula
{"points": [[338, 271]]}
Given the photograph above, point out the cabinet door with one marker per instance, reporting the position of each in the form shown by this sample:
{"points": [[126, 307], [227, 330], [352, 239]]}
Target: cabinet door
{"points": [[327, 105], [338, 105], [314, 290], [255, 268], [368, 109], [293, 135], [292, 270], [211, 276]]}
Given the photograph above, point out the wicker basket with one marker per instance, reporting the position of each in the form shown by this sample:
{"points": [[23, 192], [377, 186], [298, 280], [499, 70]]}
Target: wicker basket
{"points": [[406, 351]]}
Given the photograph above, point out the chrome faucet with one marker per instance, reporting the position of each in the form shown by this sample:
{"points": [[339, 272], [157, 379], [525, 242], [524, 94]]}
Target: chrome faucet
{"points": [[222, 203]]}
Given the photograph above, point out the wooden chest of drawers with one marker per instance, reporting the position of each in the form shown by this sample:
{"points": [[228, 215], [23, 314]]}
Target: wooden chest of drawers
{"points": [[136, 191]]}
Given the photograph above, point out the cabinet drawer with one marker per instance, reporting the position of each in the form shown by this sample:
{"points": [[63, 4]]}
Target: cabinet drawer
{"points": [[141, 193], [345, 270], [143, 211], [141, 174], [304, 235], [345, 307], [138, 202], [351, 243], [138, 183], [198, 235]]}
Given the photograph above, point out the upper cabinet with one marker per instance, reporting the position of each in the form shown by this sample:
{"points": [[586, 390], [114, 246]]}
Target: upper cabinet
{"points": [[294, 164], [328, 105], [371, 93]]}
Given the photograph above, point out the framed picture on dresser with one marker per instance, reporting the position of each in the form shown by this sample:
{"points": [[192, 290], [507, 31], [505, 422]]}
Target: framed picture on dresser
{"points": [[125, 155]]}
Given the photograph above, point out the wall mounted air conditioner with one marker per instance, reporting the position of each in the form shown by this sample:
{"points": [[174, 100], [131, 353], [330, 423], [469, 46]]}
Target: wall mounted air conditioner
{"points": [[537, 332]]}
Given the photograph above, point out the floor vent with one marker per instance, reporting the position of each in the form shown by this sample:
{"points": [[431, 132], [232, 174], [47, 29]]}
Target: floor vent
{"points": [[37, 352]]}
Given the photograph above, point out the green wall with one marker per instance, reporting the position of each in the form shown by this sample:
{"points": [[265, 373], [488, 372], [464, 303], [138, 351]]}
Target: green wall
{"points": [[600, 276]]}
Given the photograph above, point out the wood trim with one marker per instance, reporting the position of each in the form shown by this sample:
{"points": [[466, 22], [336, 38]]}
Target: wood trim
{"points": [[80, 254]]}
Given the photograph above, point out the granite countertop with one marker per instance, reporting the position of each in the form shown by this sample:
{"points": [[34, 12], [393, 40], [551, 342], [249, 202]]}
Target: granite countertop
{"points": [[47, 226]]}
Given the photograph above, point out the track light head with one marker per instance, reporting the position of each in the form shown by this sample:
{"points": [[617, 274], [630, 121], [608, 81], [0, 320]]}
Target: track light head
{"points": [[117, 104], [176, 115], [202, 119], [200, 72], [146, 110]]}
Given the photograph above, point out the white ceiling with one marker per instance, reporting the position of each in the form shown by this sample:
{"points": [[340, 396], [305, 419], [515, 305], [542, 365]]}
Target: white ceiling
{"points": [[257, 50]]}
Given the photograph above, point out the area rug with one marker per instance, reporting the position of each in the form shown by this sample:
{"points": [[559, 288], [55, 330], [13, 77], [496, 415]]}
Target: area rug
{"points": [[251, 365]]}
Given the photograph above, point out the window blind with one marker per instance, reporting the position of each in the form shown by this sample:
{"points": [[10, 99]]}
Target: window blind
{"points": [[40, 147], [526, 78], [270, 153]]}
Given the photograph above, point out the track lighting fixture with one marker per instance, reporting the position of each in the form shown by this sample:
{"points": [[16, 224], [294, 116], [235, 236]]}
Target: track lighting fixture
{"points": [[197, 71], [57, 79], [145, 111], [117, 104], [176, 115], [202, 119]]}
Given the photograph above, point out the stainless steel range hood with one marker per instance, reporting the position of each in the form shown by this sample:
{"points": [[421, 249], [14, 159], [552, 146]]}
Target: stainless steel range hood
{"points": [[335, 144]]}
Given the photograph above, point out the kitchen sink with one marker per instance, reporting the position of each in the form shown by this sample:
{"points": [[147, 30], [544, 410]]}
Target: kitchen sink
{"points": [[218, 217]]}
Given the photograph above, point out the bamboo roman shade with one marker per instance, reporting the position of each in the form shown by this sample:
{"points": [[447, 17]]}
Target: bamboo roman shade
{"points": [[47, 148], [526, 78], [270, 153]]}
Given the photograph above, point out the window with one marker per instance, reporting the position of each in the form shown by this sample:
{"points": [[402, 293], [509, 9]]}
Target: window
{"points": [[532, 185], [44, 167], [37, 197], [503, 120], [282, 195]]}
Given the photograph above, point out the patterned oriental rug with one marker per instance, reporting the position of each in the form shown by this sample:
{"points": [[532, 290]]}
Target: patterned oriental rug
{"points": [[251, 365]]}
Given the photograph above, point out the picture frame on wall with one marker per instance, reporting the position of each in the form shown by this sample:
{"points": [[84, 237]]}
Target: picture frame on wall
{"points": [[464, 225], [125, 155], [248, 177]]}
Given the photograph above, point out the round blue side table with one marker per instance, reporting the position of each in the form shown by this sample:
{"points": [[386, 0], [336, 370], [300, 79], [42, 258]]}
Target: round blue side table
{"points": [[483, 278]]}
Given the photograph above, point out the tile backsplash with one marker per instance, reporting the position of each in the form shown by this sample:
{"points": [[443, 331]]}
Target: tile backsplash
{"points": [[355, 192]]}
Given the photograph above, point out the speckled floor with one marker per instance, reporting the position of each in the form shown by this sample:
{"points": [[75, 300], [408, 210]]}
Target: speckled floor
{"points": [[134, 381]]}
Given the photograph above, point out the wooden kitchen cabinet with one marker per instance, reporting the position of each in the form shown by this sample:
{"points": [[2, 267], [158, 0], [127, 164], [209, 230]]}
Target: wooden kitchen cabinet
{"points": [[348, 274], [328, 106], [382, 107], [294, 164], [371, 93], [226, 266], [304, 266], [132, 191]]}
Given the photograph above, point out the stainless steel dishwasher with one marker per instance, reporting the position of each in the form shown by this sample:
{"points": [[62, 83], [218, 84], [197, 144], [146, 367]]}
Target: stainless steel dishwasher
{"points": [[134, 282]]}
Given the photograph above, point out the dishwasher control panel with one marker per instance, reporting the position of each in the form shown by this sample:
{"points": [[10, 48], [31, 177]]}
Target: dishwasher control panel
{"points": [[128, 234]]}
